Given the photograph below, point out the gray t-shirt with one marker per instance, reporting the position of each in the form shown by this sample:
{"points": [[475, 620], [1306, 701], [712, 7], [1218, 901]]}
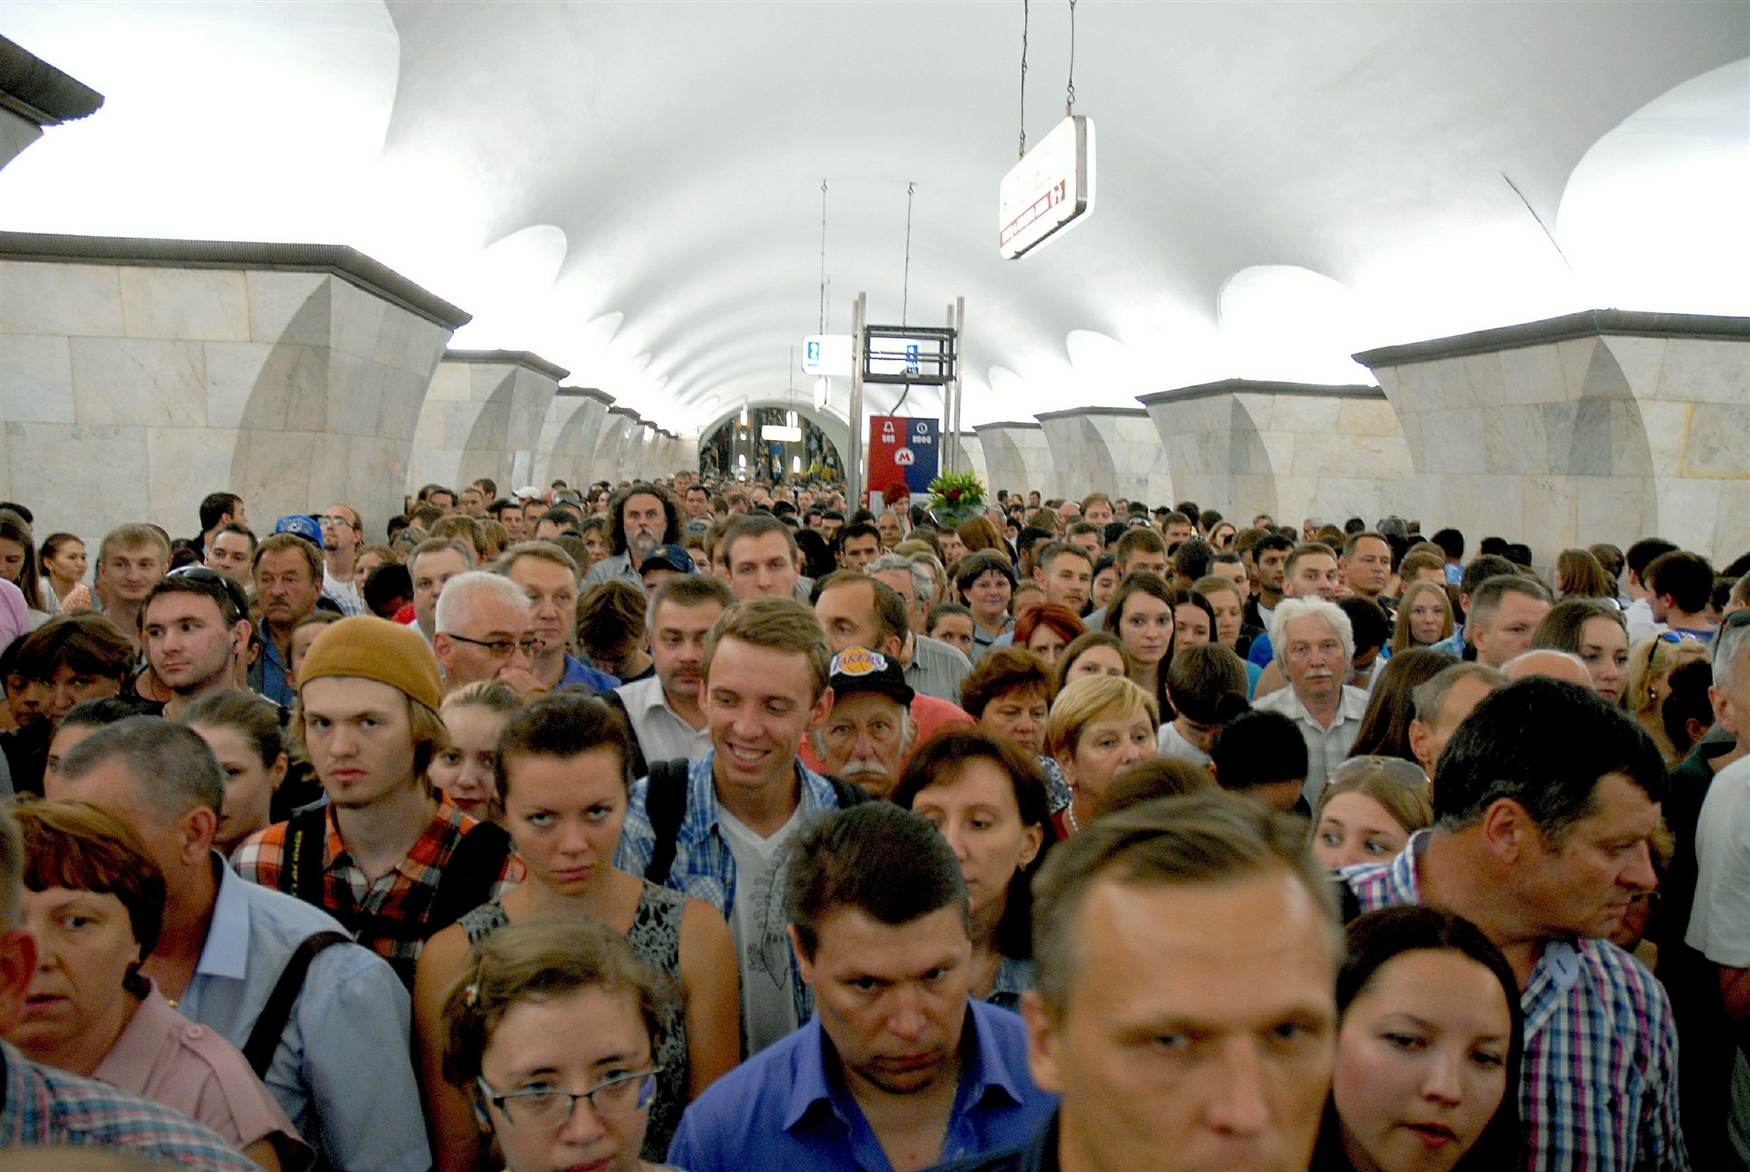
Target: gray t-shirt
{"points": [[757, 921]]}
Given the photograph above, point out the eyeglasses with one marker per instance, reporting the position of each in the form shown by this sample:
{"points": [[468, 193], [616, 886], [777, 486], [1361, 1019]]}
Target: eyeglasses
{"points": [[547, 1108], [503, 648], [335, 521], [1405, 773]]}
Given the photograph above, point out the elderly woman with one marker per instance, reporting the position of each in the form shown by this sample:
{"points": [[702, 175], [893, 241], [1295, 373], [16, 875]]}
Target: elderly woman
{"points": [[989, 802], [93, 902], [1099, 726], [1009, 695]]}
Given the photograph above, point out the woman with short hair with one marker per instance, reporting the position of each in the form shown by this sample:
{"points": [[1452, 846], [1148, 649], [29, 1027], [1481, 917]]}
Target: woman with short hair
{"points": [[1099, 726], [93, 901]]}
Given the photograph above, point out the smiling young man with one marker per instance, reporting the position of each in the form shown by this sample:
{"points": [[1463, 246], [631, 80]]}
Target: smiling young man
{"points": [[899, 1068], [1544, 806], [196, 627], [389, 856], [721, 830]]}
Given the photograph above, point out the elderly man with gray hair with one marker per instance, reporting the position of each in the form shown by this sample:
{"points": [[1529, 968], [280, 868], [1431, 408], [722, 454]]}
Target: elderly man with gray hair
{"points": [[1314, 643], [485, 631]]}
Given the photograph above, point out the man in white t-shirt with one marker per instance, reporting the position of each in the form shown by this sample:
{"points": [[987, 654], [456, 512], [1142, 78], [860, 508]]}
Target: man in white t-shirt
{"points": [[664, 709], [765, 686], [1719, 924]]}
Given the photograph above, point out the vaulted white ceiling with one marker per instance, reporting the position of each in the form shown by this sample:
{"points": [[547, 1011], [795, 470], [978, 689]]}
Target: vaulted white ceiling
{"points": [[633, 189]]}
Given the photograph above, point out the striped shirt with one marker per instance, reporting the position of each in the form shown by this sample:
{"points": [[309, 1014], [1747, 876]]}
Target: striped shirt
{"points": [[45, 1107], [1598, 1087]]}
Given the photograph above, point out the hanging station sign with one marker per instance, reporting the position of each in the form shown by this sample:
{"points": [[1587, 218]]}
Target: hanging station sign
{"points": [[1048, 190], [827, 355], [902, 451]]}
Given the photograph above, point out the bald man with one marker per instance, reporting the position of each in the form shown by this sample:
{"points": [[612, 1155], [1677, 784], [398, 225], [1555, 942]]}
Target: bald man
{"points": [[1560, 665]]}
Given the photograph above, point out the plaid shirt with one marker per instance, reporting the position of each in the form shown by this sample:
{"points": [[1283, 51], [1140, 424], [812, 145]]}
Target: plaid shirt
{"points": [[704, 867], [1598, 1087], [48, 1107], [404, 893]]}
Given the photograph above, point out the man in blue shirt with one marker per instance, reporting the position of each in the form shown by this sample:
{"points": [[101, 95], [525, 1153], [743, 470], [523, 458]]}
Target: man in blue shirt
{"points": [[342, 1070], [899, 1067]]}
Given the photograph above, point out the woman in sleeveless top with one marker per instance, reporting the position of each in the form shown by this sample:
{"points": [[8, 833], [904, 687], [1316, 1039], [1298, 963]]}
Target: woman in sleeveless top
{"points": [[562, 778]]}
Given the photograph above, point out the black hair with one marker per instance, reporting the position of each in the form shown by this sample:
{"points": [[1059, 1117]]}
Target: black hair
{"points": [[215, 505], [386, 584], [1193, 557], [1644, 553], [99, 712], [1451, 543], [888, 863], [1688, 701], [1112, 531], [1367, 621], [1269, 542], [672, 513], [1258, 748], [1493, 546], [1380, 937], [855, 529], [1543, 743], [1686, 577]]}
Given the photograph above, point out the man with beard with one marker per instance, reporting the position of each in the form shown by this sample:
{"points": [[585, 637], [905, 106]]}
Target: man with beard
{"points": [[663, 710], [342, 534], [643, 517], [870, 731], [288, 581], [195, 625]]}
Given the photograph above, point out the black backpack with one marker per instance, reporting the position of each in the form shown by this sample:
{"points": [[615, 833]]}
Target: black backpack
{"points": [[665, 804]]}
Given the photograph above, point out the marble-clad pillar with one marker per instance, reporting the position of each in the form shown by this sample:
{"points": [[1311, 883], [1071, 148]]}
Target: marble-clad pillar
{"points": [[1293, 450], [1600, 426], [972, 458], [687, 453], [34, 95], [483, 416], [568, 439], [1114, 450], [613, 455], [141, 375], [1017, 457]]}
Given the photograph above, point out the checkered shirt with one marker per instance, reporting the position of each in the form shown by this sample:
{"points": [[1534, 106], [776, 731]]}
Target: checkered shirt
{"points": [[46, 1107], [404, 893], [1598, 1087]]}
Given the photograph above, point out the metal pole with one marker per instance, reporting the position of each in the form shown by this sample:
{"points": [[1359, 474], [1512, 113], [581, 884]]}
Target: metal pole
{"points": [[950, 444], [854, 466], [959, 363]]}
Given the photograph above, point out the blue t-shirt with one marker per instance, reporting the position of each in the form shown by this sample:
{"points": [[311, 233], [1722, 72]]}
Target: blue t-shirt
{"points": [[781, 1109]]}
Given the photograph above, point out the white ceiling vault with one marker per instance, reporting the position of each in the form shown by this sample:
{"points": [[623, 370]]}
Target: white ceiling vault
{"points": [[632, 190]]}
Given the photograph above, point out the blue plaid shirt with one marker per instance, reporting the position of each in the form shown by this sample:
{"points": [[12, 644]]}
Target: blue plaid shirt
{"points": [[1598, 1086], [704, 867], [48, 1107]]}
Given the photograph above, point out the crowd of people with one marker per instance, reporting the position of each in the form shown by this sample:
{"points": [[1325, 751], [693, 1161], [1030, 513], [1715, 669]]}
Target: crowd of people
{"points": [[730, 826]]}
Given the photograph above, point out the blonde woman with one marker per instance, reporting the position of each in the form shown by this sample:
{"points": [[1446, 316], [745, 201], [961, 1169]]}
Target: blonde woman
{"points": [[1650, 664], [1099, 727]]}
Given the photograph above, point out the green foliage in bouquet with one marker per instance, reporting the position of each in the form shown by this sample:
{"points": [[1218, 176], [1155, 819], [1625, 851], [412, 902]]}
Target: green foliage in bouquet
{"points": [[956, 498]]}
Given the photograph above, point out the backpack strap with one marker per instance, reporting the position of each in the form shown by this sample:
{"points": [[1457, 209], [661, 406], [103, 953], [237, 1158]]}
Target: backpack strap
{"points": [[306, 842], [636, 765], [264, 1038], [470, 875], [665, 805]]}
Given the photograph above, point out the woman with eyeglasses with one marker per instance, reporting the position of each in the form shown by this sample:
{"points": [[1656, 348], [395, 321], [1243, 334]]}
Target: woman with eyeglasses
{"points": [[1369, 810], [552, 1030]]}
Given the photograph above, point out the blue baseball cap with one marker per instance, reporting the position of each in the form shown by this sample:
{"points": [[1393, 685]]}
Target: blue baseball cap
{"points": [[306, 527], [668, 557]]}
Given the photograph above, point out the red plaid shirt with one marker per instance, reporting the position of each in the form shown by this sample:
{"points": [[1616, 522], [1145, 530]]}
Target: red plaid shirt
{"points": [[404, 893]]}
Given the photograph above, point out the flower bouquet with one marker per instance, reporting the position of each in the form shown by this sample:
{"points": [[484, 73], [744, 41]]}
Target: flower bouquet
{"points": [[956, 499]]}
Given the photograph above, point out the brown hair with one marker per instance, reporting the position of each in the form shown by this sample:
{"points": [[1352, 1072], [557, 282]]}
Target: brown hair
{"points": [[275, 543], [1079, 646], [1157, 777], [1401, 638], [540, 961], [134, 536], [1409, 807], [1002, 670], [86, 641], [978, 533], [778, 624], [1579, 574], [87, 848]]}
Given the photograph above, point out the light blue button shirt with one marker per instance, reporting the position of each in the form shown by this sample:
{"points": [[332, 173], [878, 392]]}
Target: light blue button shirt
{"points": [[343, 1072]]}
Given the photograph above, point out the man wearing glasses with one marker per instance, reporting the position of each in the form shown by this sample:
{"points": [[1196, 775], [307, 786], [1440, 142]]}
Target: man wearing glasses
{"points": [[485, 631], [195, 627], [342, 533]]}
